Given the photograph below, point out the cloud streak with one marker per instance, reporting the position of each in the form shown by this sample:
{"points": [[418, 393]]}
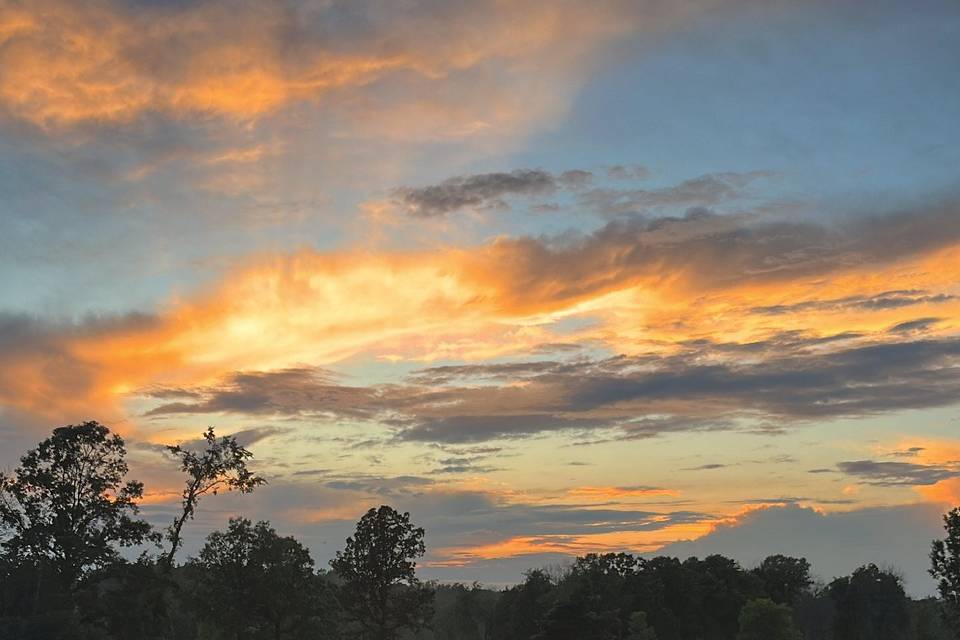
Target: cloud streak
{"points": [[703, 191], [893, 474], [477, 191], [490, 190], [112, 62], [503, 298], [640, 397]]}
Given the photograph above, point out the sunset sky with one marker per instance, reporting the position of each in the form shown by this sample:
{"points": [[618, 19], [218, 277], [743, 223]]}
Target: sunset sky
{"points": [[556, 277]]}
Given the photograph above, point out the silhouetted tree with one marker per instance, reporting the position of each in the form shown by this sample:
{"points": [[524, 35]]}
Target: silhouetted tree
{"points": [[721, 588], [927, 621], [580, 616], [618, 565], [871, 605], [252, 583], [945, 569], [784, 578], [68, 505], [521, 608], [591, 600], [638, 629], [35, 602], [221, 465], [668, 592], [763, 619], [380, 591], [133, 600], [463, 612], [602, 577], [815, 613]]}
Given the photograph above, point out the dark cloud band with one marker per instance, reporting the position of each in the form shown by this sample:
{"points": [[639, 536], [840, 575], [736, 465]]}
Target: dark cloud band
{"points": [[637, 396]]}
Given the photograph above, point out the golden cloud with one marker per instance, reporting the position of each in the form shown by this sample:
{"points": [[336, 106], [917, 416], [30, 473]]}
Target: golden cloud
{"points": [[574, 545], [619, 493], [66, 63], [504, 298]]}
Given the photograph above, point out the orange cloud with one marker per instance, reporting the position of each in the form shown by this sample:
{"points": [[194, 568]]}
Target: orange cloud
{"points": [[632, 541], [607, 542], [502, 298], [944, 453], [66, 63], [616, 493], [946, 492]]}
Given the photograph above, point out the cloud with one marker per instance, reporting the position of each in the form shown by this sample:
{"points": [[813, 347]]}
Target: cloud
{"points": [[704, 251], [627, 172], [640, 283], [299, 390], [486, 426], [495, 371], [784, 501], [894, 474], [244, 437], [885, 300], [466, 459], [480, 191], [489, 190], [619, 493], [454, 467], [576, 178], [387, 487], [462, 526], [635, 397], [703, 191], [102, 62], [110, 62], [914, 326], [470, 527], [45, 368], [471, 533], [834, 543], [910, 452]]}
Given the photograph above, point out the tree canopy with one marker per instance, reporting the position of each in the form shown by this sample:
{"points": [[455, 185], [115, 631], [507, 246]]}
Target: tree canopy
{"points": [[220, 464], [870, 604], [784, 578], [252, 582], [68, 503], [68, 510], [381, 592], [764, 619], [945, 569]]}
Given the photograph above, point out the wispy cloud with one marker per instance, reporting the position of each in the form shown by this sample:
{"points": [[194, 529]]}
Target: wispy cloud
{"points": [[703, 191], [107, 62], [491, 190], [639, 397], [481, 191], [503, 298], [887, 474]]}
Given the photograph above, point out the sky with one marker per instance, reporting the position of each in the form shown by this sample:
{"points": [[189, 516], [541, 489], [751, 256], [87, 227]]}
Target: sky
{"points": [[556, 277]]}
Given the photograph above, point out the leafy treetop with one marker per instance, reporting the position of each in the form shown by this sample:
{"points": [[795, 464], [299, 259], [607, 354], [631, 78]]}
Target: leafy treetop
{"points": [[68, 504], [221, 465]]}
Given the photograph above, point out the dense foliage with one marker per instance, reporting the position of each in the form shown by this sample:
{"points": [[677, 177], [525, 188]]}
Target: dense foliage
{"points": [[945, 558], [379, 592], [250, 582], [68, 508], [67, 505]]}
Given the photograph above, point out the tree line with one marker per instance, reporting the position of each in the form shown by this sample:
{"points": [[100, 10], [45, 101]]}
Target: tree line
{"points": [[68, 510]]}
